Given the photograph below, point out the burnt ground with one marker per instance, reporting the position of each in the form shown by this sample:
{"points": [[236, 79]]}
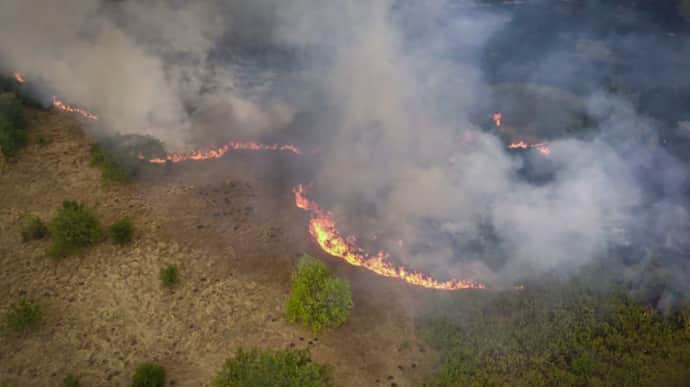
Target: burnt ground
{"points": [[234, 232]]}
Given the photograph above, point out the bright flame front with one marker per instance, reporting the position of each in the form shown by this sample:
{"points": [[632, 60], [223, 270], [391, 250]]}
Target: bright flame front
{"points": [[323, 229], [71, 109], [219, 152]]}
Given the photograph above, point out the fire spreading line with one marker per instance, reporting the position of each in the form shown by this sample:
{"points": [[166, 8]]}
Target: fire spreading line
{"points": [[541, 147], [323, 229], [219, 152], [58, 104]]}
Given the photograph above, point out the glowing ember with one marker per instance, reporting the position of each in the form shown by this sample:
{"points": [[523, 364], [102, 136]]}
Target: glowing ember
{"points": [[69, 108], [323, 230], [19, 77], [497, 117], [219, 152], [541, 147]]}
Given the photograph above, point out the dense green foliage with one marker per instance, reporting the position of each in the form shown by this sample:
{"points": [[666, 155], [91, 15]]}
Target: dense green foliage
{"points": [[70, 381], [318, 298], [33, 228], [74, 227], [168, 275], [280, 368], [13, 134], [121, 157], [149, 375], [122, 231], [554, 335], [23, 316]]}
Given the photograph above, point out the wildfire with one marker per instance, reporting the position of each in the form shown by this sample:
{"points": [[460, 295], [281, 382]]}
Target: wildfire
{"points": [[323, 229], [497, 117], [541, 147], [69, 108], [19, 77], [219, 152]]}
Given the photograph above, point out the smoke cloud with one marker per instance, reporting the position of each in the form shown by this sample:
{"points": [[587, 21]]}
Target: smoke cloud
{"points": [[398, 96]]}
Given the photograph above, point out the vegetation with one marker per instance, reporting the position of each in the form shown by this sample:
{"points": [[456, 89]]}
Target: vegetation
{"points": [[74, 227], [149, 375], [556, 335], [121, 157], [122, 232], [70, 381], [13, 134], [23, 316], [684, 9], [318, 299], [33, 228], [280, 368], [168, 275]]}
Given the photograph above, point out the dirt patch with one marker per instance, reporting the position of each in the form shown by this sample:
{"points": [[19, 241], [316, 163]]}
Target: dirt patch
{"points": [[234, 234]]}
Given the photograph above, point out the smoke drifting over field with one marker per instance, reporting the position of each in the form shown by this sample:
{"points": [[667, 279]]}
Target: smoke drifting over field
{"points": [[397, 95]]}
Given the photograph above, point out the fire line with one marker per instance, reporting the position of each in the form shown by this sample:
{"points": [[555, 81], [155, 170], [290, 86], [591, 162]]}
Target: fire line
{"points": [[323, 229]]}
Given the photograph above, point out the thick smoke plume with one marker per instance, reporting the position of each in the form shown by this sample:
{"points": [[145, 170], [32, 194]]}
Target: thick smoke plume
{"points": [[397, 96]]}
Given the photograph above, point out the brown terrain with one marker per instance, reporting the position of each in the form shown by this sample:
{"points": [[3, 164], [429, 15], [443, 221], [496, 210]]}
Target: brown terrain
{"points": [[235, 234]]}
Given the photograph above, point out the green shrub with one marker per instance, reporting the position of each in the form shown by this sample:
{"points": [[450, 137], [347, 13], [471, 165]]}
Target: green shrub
{"points": [[279, 368], [13, 134], [74, 227], [122, 157], [122, 232], [23, 316], [168, 275], [318, 299], [70, 381], [149, 375], [33, 228], [8, 384]]}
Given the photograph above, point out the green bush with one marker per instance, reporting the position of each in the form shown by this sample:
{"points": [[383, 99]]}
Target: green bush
{"points": [[122, 157], [70, 381], [318, 299], [23, 316], [122, 232], [168, 275], [33, 228], [269, 368], [149, 375], [13, 134], [74, 227]]}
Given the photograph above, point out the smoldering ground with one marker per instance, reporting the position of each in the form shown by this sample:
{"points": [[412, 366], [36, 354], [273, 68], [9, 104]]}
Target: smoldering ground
{"points": [[396, 95]]}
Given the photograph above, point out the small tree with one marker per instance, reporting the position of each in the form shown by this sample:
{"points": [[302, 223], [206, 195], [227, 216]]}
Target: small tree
{"points": [[74, 227], [33, 228], [268, 368], [149, 375], [23, 316], [168, 275], [318, 298], [122, 232]]}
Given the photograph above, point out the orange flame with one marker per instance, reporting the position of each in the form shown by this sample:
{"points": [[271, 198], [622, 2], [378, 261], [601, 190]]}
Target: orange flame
{"points": [[219, 152], [19, 77], [69, 108], [323, 229], [498, 118], [543, 148]]}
